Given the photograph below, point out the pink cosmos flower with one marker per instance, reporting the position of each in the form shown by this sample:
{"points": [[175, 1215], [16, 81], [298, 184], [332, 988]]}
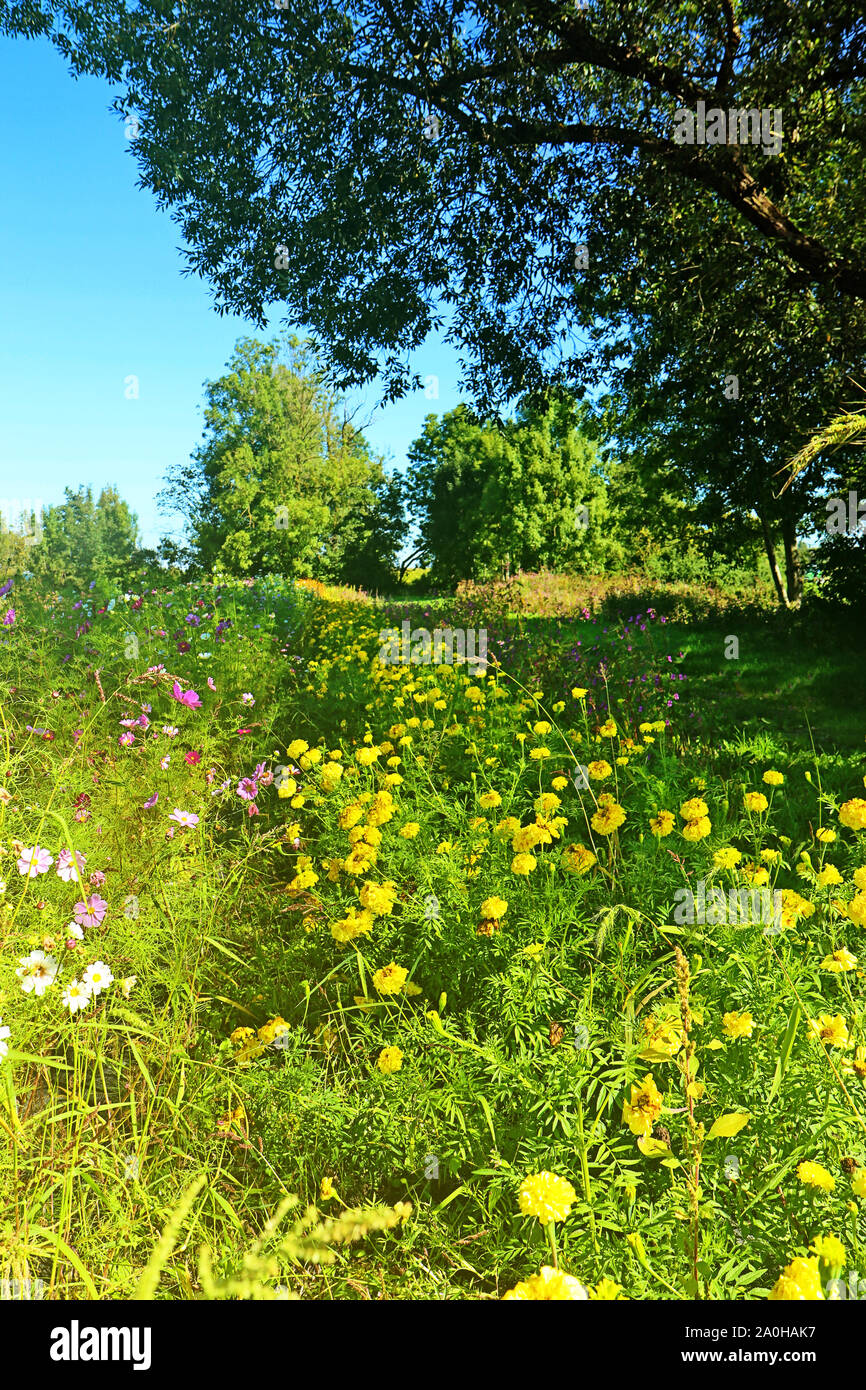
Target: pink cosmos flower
{"points": [[252, 809], [192, 758], [97, 878], [186, 697], [184, 818], [210, 683], [68, 871], [247, 788], [151, 801], [170, 730], [247, 699], [126, 739], [262, 774], [9, 618], [93, 910], [164, 762], [34, 861]]}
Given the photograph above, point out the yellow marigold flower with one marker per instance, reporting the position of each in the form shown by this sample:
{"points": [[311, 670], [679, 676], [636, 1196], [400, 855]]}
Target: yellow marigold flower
{"points": [[296, 749], [286, 787], [755, 801], [240, 1035], [506, 828], [538, 754], [352, 925], [694, 809], [550, 1286], [326, 1190], [853, 814], [831, 1029], [350, 815], [526, 838], [606, 1290], [770, 856], [737, 1025], [608, 729], [859, 877], [858, 1183], [390, 1060], [661, 1036], [523, 864], [494, 907], [545, 803], [559, 783], [365, 757], [825, 836], [801, 1281], [390, 979], [490, 799], [727, 858], [579, 693], [541, 728], [361, 859], [840, 961], [697, 829], [829, 1249], [857, 909], [599, 770], [773, 779], [409, 830], [577, 859], [662, 824], [641, 1112], [608, 818], [752, 874], [813, 1175], [379, 897], [546, 1196]]}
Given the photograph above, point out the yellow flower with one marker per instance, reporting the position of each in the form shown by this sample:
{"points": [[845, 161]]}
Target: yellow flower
{"points": [[813, 1175], [755, 801], [727, 858], [537, 754], [541, 728], [607, 1291], [489, 800], [550, 1286], [662, 824], [737, 1025], [697, 829], [523, 864], [825, 836], [859, 877], [526, 838], [608, 729], [409, 830], [663, 1036], [546, 803], [578, 693], [577, 859], [608, 818], [840, 961], [352, 925], [694, 809], [240, 1035], [829, 1249], [350, 815], [829, 876], [641, 1112], [274, 1028], [831, 1029], [494, 907], [546, 1196], [853, 814], [390, 979], [379, 898], [599, 770], [858, 1183], [800, 1281], [326, 1190], [390, 1060], [365, 757], [296, 748], [773, 779]]}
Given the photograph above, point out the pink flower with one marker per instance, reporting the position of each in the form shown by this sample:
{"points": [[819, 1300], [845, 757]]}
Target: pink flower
{"points": [[262, 774], [126, 739], [151, 801], [210, 683], [252, 809], [186, 697], [34, 861], [93, 910], [164, 762], [184, 818], [82, 814], [9, 618], [192, 758], [68, 871], [247, 699], [247, 788], [144, 721], [97, 878]]}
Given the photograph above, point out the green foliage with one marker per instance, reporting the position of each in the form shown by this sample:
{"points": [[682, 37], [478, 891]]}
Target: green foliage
{"points": [[83, 540]]}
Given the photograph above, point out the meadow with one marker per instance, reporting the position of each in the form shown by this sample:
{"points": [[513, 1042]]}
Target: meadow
{"points": [[328, 978]]}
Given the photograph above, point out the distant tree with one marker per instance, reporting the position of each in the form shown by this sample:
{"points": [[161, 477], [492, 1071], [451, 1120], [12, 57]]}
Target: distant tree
{"points": [[489, 498], [83, 540], [282, 482]]}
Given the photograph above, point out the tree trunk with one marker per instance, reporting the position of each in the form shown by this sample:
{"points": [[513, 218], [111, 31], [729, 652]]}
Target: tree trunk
{"points": [[771, 556], [793, 567]]}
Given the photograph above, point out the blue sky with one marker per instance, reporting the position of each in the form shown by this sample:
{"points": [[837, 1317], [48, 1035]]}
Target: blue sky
{"points": [[91, 294]]}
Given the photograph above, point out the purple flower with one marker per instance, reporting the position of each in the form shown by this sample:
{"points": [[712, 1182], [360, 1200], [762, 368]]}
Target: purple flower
{"points": [[93, 910], [151, 801], [68, 871], [9, 618], [247, 788]]}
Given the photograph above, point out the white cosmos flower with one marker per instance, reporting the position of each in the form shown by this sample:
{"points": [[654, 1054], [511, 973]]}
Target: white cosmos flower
{"points": [[76, 995], [97, 977], [37, 972], [5, 1033]]}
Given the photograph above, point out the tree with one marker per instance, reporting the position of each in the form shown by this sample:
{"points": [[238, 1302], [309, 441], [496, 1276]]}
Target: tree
{"points": [[83, 540], [491, 498], [282, 482], [397, 163]]}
